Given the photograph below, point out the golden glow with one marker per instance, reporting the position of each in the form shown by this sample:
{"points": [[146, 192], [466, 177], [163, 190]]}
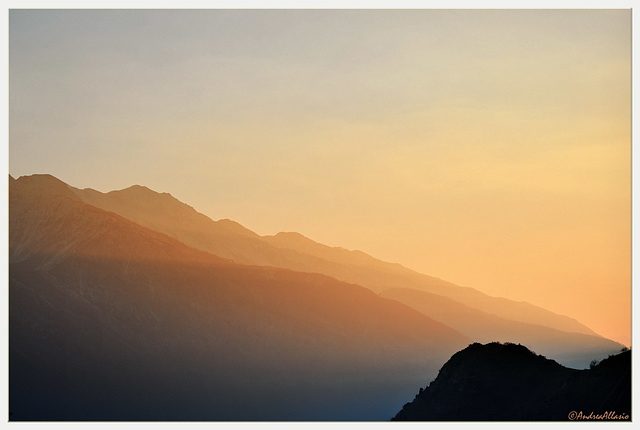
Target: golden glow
{"points": [[488, 148]]}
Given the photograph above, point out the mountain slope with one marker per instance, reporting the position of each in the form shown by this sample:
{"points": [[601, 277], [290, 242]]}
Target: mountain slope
{"points": [[163, 213], [49, 222], [574, 350], [226, 239], [381, 276], [508, 382], [109, 320]]}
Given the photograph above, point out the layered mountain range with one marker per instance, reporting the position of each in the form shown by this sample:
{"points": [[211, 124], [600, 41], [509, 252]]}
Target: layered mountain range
{"points": [[475, 314], [131, 305]]}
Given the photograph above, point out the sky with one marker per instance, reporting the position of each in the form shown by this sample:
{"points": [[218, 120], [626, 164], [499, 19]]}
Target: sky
{"points": [[489, 148]]}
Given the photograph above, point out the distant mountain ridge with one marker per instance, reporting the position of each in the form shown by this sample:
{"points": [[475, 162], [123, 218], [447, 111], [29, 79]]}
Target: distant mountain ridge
{"points": [[485, 327], [507, 382], [163, 213], [230, 240]]}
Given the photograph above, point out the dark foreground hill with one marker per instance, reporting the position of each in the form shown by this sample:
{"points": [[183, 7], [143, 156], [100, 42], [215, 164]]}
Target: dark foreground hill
{"points": [[109, 320], [497, 382]]}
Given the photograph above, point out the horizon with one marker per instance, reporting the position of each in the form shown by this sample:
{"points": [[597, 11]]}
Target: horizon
{"points": [[491, 149]]}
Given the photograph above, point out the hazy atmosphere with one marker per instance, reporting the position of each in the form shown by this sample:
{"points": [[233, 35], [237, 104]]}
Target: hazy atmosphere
{"points": [[491, 149]]}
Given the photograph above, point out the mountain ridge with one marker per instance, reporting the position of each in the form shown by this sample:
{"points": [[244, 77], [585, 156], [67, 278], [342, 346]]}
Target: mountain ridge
{"points": [[508, 382], [299, 242], [110, 320], [281, 251], [484, 327], [229, 240]]}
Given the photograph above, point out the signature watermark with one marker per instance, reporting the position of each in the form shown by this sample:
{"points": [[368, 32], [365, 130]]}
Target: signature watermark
{"points": [[606, 416]]}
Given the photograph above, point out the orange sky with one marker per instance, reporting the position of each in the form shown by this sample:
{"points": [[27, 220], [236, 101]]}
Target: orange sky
{"points": [[489, 148]]}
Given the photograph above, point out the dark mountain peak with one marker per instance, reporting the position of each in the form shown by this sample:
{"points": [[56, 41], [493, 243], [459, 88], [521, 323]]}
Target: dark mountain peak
{"points": [[613, 363], [511, 361], [505, 381], [496, 352]]}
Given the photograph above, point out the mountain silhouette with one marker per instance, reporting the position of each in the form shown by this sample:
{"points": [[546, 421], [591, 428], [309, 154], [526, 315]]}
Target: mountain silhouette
{"points": [[111, 320], [508, 382], [560, 337]]}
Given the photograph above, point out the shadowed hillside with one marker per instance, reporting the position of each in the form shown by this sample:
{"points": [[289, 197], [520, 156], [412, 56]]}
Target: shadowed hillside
{"points": [[498, 382], [109, 320]]}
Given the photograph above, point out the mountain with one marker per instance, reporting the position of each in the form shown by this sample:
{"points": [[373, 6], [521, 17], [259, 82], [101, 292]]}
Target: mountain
{"points": [[48, 222], [575, 350], [381, 276], [389, 279], [163, 213], [224, 238], [507, 382], [110, 320], [561, 337]]}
